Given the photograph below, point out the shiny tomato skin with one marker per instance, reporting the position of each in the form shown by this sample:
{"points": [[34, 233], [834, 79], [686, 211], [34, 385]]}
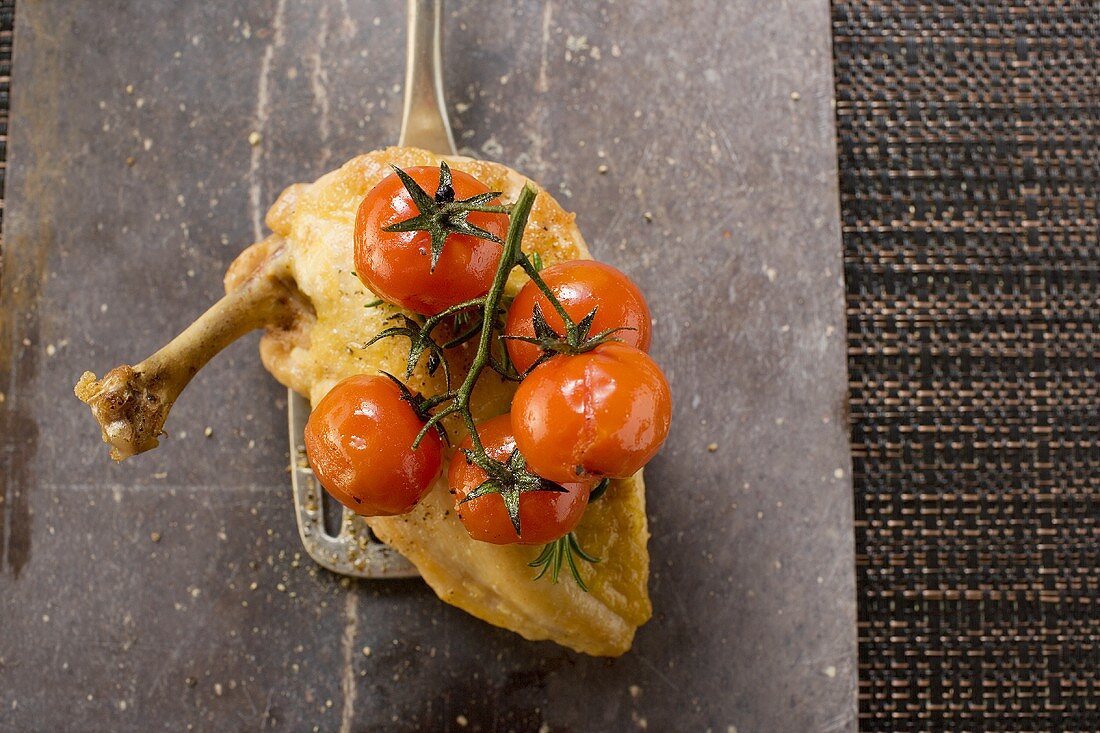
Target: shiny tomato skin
{"points": [[544, 515], [580, 286], [396, 266], [603, 413], [359, 443]]}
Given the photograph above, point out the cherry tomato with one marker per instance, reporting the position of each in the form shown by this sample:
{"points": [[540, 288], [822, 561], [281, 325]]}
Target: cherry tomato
{"points": [[602, 413], [580, 286], [359, 443], [397, 265], [544, 516]]}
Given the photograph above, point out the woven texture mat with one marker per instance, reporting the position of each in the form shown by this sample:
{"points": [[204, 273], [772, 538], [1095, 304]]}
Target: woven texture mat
{"points": [[969, 164]]}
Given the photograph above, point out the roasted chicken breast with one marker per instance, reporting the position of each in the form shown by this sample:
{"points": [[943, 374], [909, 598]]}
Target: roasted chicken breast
{"points": [[299, 285]]}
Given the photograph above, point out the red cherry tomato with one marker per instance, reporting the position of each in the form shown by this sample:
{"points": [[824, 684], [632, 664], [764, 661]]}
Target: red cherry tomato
{"points": [[359, 443], [605, 412], [544, 515], [580, 286], [397, 265]]}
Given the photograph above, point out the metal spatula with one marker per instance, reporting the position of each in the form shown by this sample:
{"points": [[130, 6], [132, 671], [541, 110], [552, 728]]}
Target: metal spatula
{"points": [[353, 550]]}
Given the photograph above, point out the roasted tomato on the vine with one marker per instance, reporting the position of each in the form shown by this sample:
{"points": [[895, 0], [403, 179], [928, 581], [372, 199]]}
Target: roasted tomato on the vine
{"points": [[414, 269], [605, 412], [359, 443], [580, 286], [544, 515]]}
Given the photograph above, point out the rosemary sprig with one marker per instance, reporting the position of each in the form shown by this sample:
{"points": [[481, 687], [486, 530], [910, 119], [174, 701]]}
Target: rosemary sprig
{"points": [[441, 215], [563, 550]]}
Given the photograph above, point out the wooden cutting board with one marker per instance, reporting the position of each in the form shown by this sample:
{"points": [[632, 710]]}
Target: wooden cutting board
{"points": [[696, 145]]}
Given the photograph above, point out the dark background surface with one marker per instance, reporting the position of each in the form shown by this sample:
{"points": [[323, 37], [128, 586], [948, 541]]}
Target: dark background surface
{"points": [[167, 591]]}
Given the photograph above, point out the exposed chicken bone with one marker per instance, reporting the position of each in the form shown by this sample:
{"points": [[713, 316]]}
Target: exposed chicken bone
{"points": [[131, 403]]}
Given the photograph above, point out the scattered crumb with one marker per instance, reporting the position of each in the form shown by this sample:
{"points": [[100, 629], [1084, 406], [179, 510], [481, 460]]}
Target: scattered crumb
{"points": [[712, 447], [154, 536], [129, 88], [839, 473], [462, 721], [130, 160], [208, 432], [602, 169], [795, 96], [648, 216], [366, 651], [280, 587], [830, 671], [634, 691], [218, 689], [254, 138]]}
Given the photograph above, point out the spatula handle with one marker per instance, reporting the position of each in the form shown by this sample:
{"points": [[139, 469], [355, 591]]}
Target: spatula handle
{"points": [[425, 124]]}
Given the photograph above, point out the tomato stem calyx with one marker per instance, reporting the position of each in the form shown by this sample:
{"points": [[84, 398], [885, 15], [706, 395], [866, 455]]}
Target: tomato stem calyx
{"points": [[509, 480], [577, 338], [420, 340], [441, 215]]}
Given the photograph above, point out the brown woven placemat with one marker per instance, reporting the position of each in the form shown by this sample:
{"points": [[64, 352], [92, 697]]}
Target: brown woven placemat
{"points": [[969, 179]]}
